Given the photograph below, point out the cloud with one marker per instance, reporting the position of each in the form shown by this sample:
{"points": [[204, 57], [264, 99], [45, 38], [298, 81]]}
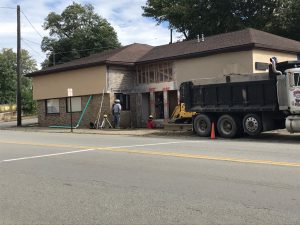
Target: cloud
{"points": [[124, 15]]}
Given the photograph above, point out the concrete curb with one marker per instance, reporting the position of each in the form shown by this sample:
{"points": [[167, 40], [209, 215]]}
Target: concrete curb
{"points": [[123, 132]]}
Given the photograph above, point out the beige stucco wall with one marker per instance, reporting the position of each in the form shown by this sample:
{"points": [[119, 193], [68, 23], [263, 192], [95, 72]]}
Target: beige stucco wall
{"points": [[83, 81], [264, 57], [213, 66]]}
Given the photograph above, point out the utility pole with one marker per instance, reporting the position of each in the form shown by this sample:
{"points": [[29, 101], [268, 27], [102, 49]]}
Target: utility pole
{"points": [[19, 103], [71, 111], [171, 36]]}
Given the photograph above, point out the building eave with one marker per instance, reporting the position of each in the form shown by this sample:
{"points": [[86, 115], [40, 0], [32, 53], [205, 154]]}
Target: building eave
{"points": [[200, 54], [57, 70]]}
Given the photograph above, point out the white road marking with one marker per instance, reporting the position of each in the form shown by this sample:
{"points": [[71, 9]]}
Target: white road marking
{"points": [[163, 143], [149, 152], [93, 149], [49, 155]]}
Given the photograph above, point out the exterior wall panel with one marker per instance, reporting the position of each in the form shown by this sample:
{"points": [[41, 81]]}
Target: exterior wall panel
{"points": [[83, 81], [264, 57], [213, 66]]}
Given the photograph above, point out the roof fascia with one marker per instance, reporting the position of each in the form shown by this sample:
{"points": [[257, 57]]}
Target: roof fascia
{"points": [[74, 67], [202, 54]]}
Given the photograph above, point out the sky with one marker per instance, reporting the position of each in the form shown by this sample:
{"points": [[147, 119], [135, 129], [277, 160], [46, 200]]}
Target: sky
{"points": [[124, 15]]}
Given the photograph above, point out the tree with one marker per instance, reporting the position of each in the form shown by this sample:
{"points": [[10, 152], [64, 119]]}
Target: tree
{"points": [[77, 32], [289, 19], [8, 77], [193, 17]]}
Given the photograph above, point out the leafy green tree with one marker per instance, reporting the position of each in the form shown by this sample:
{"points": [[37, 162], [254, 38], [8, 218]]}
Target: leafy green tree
{"points": [[289, 19], [73, 31], [28, 65], [193, 17], [8, 77]]}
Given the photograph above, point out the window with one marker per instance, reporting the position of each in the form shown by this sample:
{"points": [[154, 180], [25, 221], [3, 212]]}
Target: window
{"points": [[76, 104], [297, 79], [52, 106], [151, 74], [261, 66], [154, 73], [124, 100], [160, 73]]}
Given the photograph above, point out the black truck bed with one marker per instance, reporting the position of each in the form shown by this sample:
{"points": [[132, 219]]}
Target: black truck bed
{"points": [[250, 96]]}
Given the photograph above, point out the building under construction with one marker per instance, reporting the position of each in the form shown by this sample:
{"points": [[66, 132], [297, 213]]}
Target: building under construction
{"points": [[146, 78]]}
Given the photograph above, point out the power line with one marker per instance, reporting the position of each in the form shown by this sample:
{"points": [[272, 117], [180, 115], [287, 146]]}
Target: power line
{"points": [[32, 25], [25, 42], [31, 41], [82, 50], [4, 7], [32, 49]]}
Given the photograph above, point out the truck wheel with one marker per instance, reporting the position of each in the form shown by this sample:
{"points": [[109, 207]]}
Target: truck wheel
{"points": [[252, 124], [202, 125], [228, 126]]}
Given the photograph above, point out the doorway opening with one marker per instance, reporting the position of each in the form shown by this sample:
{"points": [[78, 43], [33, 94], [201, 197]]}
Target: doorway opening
{"points": [[145, 108], [173, 101], [159, 105]]}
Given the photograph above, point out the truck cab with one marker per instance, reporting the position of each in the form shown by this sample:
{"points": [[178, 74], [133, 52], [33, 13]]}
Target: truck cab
{"points": [[293, 81], [293, 76]]}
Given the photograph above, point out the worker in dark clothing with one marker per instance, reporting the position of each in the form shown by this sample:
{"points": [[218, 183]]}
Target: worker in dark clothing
{"points": [[116, 111]]}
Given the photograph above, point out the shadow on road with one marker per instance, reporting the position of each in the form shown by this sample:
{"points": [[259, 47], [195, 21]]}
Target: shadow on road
{"points": [[282, 138]]}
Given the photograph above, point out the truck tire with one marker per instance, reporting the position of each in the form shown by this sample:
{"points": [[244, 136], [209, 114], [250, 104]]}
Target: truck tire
{"points": [[202, 125], [229, 126], [252, 124]]}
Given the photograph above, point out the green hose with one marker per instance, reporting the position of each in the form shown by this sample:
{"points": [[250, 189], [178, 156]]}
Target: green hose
{"points": [[80, 118]]}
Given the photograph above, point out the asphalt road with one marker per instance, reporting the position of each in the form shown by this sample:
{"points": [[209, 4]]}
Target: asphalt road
{"points": [[54, 178]]}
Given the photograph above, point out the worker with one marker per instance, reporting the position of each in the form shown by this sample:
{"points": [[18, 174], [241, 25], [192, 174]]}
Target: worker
{"points": [[150, 122], [116, 111]]}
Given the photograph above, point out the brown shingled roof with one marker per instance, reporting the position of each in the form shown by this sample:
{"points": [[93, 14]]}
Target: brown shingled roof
{"points": [[238, 40], [141, 53], [127, 55], [130, 55]]}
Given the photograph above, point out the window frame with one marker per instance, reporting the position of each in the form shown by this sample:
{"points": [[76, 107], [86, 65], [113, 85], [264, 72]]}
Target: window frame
{"points": [[155, 73], [297, 82], [46, 106], [68, 102]]}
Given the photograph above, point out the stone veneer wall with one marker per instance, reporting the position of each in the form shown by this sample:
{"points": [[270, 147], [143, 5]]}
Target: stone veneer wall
{"points": [[63, 118], [121, 80]]}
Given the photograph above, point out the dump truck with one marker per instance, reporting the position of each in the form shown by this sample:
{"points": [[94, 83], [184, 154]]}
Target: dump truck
{"points": [[246, 104]]}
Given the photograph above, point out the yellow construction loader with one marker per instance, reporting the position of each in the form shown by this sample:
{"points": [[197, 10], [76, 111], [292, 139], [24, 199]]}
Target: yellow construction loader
{"points": [[179, 115]]}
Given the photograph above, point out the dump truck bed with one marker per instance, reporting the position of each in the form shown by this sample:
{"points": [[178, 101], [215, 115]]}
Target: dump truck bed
{"points": [[247, 96]]}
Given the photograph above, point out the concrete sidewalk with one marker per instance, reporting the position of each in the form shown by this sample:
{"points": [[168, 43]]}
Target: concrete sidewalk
{"points": [[32, 126]]}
